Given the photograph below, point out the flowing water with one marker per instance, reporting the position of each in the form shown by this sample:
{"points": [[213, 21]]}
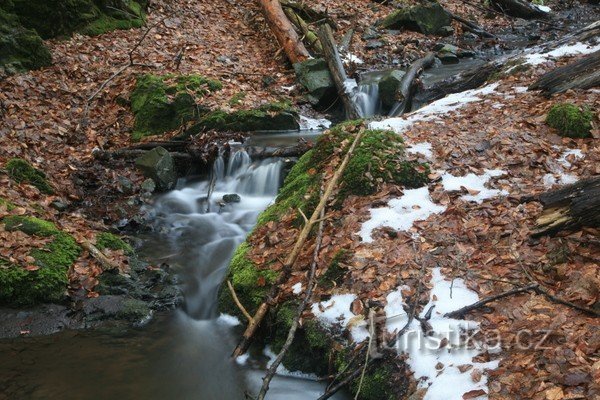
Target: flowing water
{"points": [[180, 355]]}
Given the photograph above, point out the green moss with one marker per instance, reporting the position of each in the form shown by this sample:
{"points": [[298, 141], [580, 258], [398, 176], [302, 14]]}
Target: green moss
{"points": [[269, 117], [237, 98], [250, 283], [48, 283], [377, 384], [164, 103], [21, 171], [106, 24], [570, 120], [335, 272], [106, 240], [7, 204], [134, 310]]}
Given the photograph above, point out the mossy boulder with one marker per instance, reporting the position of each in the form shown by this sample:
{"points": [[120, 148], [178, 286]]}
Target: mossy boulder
{"points": [[107, 240], [315, 77], [53, 18], [21, 171], [570, 120], [158, 165], [388, 87], [48, 281], [21, 49], [429, 18], [164, 103], [268, 117]]}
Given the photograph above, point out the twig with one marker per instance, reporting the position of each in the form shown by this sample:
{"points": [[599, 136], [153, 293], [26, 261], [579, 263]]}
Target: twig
{"points": [[461, 311], [371, 335], [237, 301], [292, 332], [106, 264], [344, 382], [291, 259], [551, 297]]}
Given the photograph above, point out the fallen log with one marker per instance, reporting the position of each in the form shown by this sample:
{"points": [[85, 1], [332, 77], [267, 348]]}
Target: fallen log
{"points": [[135, 153], [284, 31], [104, 262], [472, 27], [581, 74], [520, 9], [569, 208], [310, 37], [256, 152], [408, 85], [334, 62], [466, 80]]}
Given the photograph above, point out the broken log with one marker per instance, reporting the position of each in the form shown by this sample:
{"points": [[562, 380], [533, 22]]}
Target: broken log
{"points": [[284, 31], [135, 153], [310, 37], [569, 208], [466, 80], [472, 27], [334, 62], [520, 9], [408, 85], [581, 74], [298, 150]]}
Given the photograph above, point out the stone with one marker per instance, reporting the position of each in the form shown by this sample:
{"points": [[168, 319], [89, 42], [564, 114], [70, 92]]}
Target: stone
{"points": [[158, 165], [388, 86], [448, 54], [59, 205], [446, 30], [429, 19], [370, 34], [232, 198], [315, 77], [374, 44], [148, 186]]}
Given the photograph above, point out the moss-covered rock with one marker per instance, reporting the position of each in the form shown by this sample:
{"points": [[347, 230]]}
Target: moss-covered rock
{"points": [[48, 282], [107, 240], [164, 103], [570, 120], [269, 117], [21, 171], [388, 87], [20, 48], [53, 18], [315, 77], [427, 18]]}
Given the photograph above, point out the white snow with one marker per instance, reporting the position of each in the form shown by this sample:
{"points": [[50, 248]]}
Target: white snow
{"points": [[423, 148], [559, 175], [243, 359], [473, 183], [337, 311], [565, 50], [401, 213], [433, 110], [350, 85], [436, 365], [545, 9], [288, 88], [297, 288], [309, 124], [520, 89], [351, 58], [228, 320], [570, 152]]}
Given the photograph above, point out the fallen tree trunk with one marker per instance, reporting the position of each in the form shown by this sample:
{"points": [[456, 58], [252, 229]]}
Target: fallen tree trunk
{"points": [[408, 85], [472, 27], [520, 9], [466, 80], [334, 62], [570, 208], [284, 31], [298, 150], [581, 74], [310, 37]]}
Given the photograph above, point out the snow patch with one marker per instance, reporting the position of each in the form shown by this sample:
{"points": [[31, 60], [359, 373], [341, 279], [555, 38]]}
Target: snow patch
{"points": [[570, 152], [401, 213], [297, 288], [351, 58], [433, 364], [337, 311], [350, 85], [433, 110], [562, 51], [283, 371], [545, 9], [423, 148], [520, 89], [243, 359], [309, 124], [228, 320], [475, 184]]}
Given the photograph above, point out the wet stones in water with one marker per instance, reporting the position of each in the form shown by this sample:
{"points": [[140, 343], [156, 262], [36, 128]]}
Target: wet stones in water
{"points": [[388, 87], [231, 198], [374, 44], [430, 19], [315, 77], [447, 53], [158, 165]]}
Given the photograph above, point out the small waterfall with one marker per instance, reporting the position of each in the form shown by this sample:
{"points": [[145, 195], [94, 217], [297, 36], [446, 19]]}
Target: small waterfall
{"points": [[366, 97], [203, 242]]}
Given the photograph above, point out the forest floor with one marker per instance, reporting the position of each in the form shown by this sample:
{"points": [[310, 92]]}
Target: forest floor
{"points": [[56, 116]]}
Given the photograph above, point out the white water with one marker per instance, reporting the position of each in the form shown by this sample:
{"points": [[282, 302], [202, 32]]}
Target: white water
{"points": [[366, 98], [203, 232]]}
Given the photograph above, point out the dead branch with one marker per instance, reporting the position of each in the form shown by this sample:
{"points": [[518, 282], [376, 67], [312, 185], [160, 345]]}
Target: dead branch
{"points": [[237, 301], [106, 264], [472, 27], [581, 74], [408, 85], [291, 259], [292, 332]]}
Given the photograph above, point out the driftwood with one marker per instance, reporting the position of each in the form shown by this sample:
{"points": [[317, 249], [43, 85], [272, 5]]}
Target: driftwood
{"points": [[284, 31], [298, 150], [466, 80], [331, 55], [408, 85], [570, 208], [581, 74], [295, 252], [520, 9]]}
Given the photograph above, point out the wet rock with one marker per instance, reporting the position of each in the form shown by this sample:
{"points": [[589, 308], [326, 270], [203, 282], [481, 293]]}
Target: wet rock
{"points": [[370, 34], [232, 198], [448, 54], [388, 86], [59, 205], [429, 19], [446, 30], [466, 54], [374, 44], [148, 186], [315, 77], [158, 165]]}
